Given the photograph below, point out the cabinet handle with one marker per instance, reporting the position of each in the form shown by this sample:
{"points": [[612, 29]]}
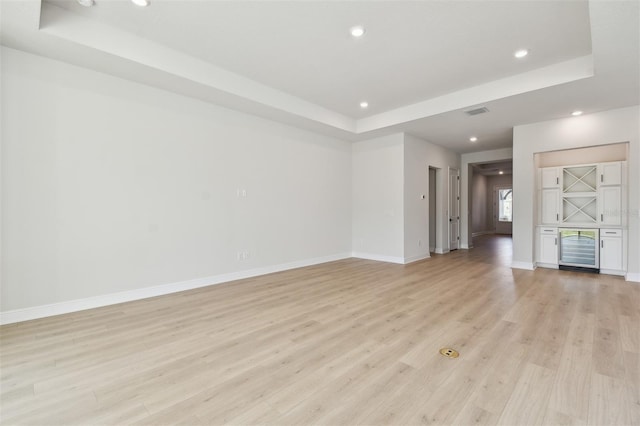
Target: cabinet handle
{"points": [[601, 243], [607, 232], [601, 177], [555, 241], [557, 217], [557, 181], [601, 217]]}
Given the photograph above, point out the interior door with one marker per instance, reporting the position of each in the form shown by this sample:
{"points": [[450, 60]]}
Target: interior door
{"points": [[454, 209]]}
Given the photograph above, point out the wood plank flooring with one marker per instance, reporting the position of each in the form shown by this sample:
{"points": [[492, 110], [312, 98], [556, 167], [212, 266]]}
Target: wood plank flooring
{"points": [[347, 342]]}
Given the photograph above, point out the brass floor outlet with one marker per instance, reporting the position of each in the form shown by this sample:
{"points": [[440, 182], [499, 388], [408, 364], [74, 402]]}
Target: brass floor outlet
{"points": [[449, 353]]}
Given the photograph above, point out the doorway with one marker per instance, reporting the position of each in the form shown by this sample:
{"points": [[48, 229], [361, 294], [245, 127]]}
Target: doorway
{"points": [[482, 202], [454, 209]]}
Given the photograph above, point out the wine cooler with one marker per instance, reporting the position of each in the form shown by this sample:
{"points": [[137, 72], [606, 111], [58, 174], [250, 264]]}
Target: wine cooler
{"points": [[579, 249]]}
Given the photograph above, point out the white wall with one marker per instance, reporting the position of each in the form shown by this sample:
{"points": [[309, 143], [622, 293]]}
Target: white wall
{"points": [[620, 125], [390, 217], [419, 155], [111, 186], [378, 181], [466, 174], [592, 154], [480, 211]]}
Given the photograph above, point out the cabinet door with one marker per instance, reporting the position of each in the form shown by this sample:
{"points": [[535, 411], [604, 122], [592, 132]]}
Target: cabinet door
{"points": [[550, 177], [611, 253], [550, 205], [609, 205], [610, 173], [548, 251]]}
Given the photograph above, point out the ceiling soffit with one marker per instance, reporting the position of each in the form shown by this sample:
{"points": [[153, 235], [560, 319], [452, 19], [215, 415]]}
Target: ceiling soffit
{"points": [[219, 82]]}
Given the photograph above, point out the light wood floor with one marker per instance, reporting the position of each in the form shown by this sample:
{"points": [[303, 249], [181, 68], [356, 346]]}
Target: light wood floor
{"points": [[348, 342]]}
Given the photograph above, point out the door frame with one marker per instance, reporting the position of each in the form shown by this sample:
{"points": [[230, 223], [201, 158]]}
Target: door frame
{"points": [[432, 207], [454, 200]]}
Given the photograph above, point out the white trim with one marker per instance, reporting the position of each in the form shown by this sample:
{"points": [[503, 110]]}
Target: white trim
{"points": [[464, 246], [440, 250], [25, 314], [416, 258], [378, 257], [633, 276], [455, 173], [523, 265], [612, 272], [547, 265]]}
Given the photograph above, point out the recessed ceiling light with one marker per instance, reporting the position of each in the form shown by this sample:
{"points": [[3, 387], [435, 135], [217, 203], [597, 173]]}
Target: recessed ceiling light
{"points": [[521, 53], [357, 32], [364, 104], [141, 3], [576, 113], [86, 3], [473, 139], [501, 172]]}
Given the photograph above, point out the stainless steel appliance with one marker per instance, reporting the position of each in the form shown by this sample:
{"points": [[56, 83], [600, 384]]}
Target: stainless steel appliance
{"points": [[579, 249]]}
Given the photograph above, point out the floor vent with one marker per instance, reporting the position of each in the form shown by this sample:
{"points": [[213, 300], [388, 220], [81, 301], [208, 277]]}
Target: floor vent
{"points": [[449, 353], [477, 111]]}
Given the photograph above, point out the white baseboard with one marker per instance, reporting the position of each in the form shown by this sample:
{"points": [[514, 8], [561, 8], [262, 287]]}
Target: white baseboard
{"points": [[547, 265], [613, 272], [529, 266], [19, 315], [633, 276], [464, 246], [378, 257], [416, 258], [440, 250]]}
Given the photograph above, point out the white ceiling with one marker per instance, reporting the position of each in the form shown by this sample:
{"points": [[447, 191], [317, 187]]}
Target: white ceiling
{"points": [[419, 65]]}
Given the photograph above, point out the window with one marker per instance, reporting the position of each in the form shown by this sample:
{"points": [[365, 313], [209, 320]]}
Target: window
{"points": [[505, 200]]}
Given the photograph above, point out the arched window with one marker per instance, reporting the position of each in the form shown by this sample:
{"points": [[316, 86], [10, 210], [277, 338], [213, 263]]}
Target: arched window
{"points": [[505, 200]]}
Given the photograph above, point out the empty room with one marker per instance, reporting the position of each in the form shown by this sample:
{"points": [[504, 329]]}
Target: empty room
{"points": [[319, 212]]}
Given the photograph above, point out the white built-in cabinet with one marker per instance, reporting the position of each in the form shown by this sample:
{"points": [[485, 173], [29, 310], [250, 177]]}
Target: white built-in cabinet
{"points": [[547, 246], [610, 173], [550, 206], [610, 193], [579, 196], [609, 198], [612, 251], [583, 196], [550, 183], [550, 177]]}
